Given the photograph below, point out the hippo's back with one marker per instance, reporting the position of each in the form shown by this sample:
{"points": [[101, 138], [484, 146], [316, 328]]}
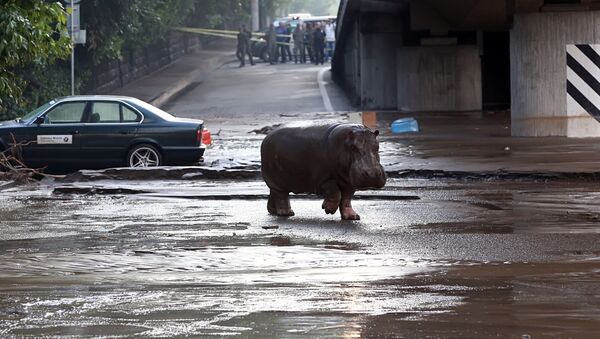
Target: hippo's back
{"points": [[295, 158]]}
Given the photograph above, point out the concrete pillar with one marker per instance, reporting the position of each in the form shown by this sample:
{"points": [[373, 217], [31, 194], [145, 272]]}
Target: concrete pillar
{"points": [[346, 69], [539, 100], [254, 8], [378, 70], [439, 78]]}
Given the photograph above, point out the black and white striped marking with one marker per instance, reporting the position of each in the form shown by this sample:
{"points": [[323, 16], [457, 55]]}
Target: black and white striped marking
{"points": [[583, 80]]}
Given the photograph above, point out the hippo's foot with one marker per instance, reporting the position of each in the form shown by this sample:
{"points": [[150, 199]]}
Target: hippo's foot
{"points": [[279, 204], [285, 212], [330, 206], [349, 214]]}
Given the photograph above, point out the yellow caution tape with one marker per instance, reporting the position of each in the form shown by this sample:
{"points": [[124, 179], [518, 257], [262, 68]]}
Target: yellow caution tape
{"points": [[227, 34]]}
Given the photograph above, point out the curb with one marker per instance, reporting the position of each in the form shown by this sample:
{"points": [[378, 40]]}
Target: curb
{"points": [[254, 173], [172, 91]]}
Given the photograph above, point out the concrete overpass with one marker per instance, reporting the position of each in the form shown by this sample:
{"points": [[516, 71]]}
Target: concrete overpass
{"points": [[539, 58]]}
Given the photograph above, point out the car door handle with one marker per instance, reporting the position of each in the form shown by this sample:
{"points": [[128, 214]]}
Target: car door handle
{"points": [[123, 132]]}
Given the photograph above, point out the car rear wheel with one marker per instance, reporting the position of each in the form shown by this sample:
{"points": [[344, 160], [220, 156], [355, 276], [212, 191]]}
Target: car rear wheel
{"points": [[144, 155]]}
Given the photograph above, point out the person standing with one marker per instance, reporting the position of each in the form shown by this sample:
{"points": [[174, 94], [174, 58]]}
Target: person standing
{"points": [[319, 45], [288, 40], [282, 32], [308, 41], [272, 44], [330, 38], [299, 55], [243, 46]]}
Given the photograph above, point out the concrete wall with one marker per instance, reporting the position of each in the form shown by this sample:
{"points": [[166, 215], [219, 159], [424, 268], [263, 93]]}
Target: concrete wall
{"points": [[538, 73], [378, 70], [347, 68], [439, 78]]}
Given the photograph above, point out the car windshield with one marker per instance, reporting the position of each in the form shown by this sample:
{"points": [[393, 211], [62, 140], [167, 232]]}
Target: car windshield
{"points": [[31, 115], [157, 111]]}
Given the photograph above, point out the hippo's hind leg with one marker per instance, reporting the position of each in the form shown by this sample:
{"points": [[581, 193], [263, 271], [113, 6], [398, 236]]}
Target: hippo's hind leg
{"points": [[279, 204], [346, 209], [332, 196], [271, 205]]}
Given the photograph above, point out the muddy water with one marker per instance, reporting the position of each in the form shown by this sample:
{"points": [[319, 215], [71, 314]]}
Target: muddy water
{"points": [[468, 259]]}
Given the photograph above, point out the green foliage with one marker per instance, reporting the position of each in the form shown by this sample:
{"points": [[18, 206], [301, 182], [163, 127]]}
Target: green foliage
{"points": [[114, 26], [225, 14], [32, 32], [315, 7]]}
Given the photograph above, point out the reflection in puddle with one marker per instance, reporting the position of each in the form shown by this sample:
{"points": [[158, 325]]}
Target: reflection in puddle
{"points": [[197, 309], [157, 267]]}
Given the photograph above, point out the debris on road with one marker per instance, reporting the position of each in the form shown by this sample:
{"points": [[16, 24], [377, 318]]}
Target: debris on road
{"points": [[14, 170], [265, 130]]}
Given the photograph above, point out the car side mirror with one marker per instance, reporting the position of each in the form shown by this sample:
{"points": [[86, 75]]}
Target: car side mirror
{"points": [[39, 120]]}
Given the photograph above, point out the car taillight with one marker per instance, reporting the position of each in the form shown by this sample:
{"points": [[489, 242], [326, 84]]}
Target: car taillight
{"points": [[199, 136], [206, 137]]}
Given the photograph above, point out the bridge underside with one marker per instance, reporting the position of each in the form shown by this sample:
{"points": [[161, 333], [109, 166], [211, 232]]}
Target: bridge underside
{"points": [[468, 55]]}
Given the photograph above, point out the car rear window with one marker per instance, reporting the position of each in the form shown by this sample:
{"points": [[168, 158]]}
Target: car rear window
{"points": [[111, 113], [152, 109], [107, 112]]}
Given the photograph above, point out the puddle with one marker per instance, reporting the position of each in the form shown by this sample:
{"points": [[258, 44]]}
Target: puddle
{"points": [[475, 259]]}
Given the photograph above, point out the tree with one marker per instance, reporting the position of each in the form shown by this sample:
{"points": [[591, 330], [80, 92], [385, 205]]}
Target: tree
{"points": [[315, 7], [115, 25], [222, 14], [32, 32]]}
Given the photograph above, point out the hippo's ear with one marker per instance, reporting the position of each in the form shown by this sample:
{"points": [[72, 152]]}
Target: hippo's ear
{"points": [[350, 137], [376, 133]]}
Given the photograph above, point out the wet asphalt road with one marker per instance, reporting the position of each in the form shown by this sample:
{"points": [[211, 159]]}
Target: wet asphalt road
{"points": [[197, 257]]}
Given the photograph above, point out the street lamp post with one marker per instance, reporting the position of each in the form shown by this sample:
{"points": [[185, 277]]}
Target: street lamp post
{"points": [[72, 49], [254, 8], [73, 27]]}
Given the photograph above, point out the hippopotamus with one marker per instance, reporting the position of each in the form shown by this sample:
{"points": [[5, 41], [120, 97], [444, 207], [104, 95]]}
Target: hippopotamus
{"points": [[330, 159]]}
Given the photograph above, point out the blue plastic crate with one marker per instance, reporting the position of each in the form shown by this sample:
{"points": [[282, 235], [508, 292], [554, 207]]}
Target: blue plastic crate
{"points": [[405, 125]]}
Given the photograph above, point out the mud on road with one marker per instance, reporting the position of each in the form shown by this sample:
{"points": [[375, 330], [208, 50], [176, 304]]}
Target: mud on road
{"points": [[172, 258]]}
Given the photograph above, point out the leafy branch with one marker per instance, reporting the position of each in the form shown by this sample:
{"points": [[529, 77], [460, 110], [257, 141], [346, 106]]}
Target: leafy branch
{"points": [[31, 32]]}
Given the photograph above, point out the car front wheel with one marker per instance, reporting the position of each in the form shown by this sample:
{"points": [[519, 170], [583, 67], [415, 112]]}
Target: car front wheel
{"points": [[144, 155]]}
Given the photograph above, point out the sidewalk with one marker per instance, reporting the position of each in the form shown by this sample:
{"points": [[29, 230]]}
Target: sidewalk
{"points": [[160, 86], [480, 142]]}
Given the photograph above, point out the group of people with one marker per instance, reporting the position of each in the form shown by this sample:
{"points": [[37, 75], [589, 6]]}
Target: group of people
{"points": [[311, 42]]}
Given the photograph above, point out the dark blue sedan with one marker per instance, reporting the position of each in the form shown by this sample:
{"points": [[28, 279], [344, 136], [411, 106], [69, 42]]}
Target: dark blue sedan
{"points": [[103, 131]]}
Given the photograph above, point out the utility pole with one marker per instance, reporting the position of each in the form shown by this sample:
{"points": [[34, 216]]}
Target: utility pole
{"points": [[76, 33], [72, 49], [254, 7]]}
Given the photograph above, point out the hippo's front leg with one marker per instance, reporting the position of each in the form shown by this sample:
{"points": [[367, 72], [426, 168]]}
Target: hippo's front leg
{"points": [[346, 209], [279, 204], [332, 196]]}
